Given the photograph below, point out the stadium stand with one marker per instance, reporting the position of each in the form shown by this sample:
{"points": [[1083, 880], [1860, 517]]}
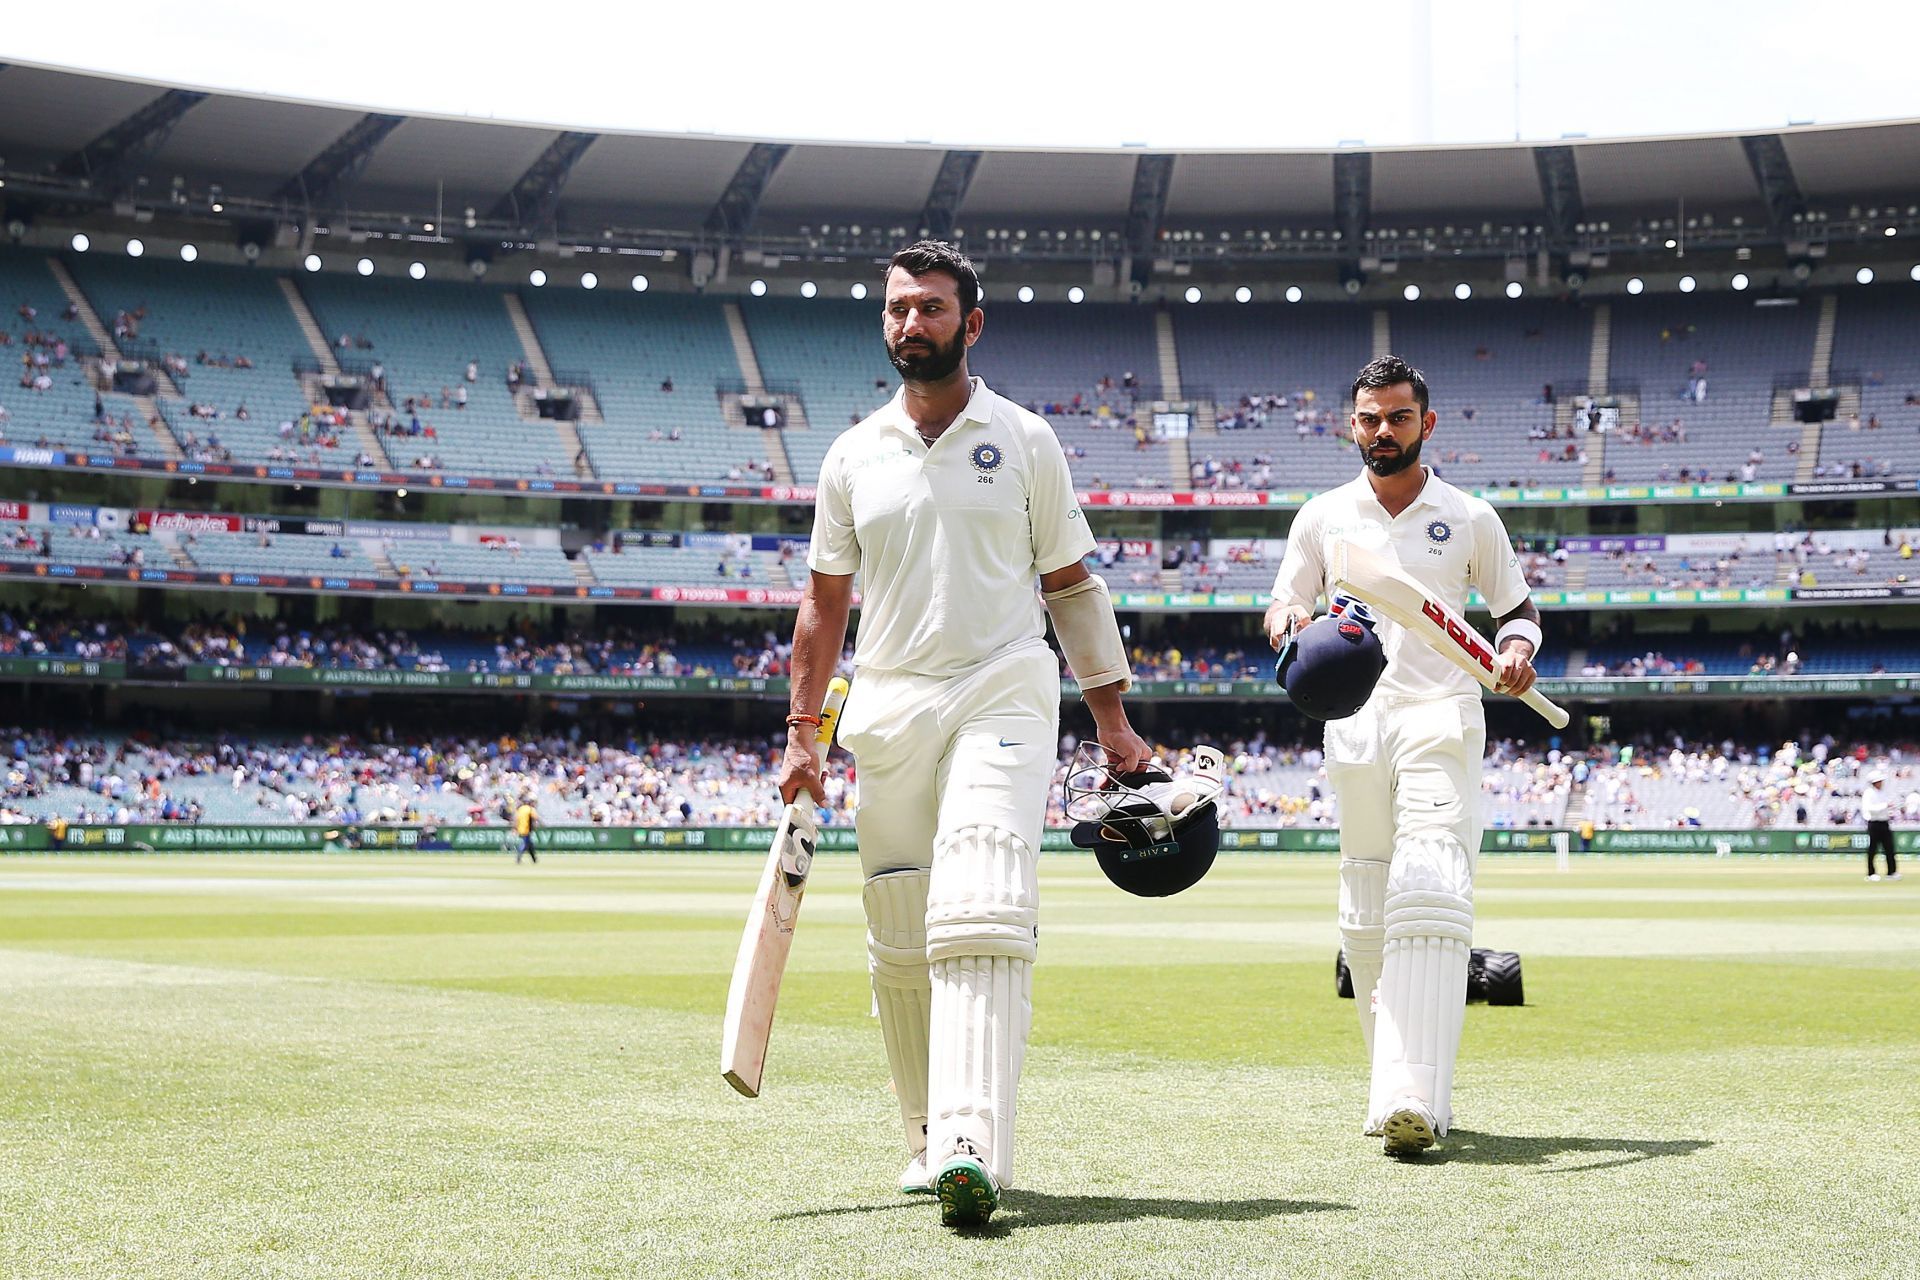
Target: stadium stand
{"points": [[1304, 354], [637, 565], [1665, 346], [231, 342], [47, 396], [832, 350], [636, 347], [275, 553], [1874, 348], [450, 780], [1489, 365], [426, 334]]}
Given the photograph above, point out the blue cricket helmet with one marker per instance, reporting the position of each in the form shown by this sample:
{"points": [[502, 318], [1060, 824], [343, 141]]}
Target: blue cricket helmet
{"points": [[1330, 666]]}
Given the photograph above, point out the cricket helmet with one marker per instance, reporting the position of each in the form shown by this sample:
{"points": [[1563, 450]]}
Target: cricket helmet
{"points": [[1152, 833], [1330, 666]]}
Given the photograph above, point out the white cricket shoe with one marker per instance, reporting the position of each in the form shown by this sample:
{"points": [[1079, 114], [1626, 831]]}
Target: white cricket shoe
{"points": [[1408, 1128], [914, 1179], [1872, 878], [1894, 876]]}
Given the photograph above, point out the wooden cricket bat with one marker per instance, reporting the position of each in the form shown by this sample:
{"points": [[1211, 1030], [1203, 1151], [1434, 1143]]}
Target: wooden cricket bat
{"points": [[1397, 594], [769, 932]]}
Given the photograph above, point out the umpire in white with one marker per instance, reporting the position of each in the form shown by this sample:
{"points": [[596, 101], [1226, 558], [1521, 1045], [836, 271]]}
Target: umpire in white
{"points": [[949, 502], [1406, 767]]}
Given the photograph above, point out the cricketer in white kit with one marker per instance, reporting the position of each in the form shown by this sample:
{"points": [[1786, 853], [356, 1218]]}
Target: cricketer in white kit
{"points": [[950, 502], [1406, 767]]}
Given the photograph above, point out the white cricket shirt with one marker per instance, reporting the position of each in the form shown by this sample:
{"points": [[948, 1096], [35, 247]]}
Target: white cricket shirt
{"points": [[948, 540], [1447, 539]]}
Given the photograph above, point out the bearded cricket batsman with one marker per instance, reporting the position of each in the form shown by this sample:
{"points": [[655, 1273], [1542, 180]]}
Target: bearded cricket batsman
{"points": [[950, 502], [1406, 766]]}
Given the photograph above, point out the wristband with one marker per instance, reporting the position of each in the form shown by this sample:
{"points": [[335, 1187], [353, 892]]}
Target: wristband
{"points": [[800, 718], [1523, 628]]}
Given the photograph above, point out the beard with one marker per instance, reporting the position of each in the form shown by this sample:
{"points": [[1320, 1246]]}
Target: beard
{"points": [[931, 362], [1393, 463]]}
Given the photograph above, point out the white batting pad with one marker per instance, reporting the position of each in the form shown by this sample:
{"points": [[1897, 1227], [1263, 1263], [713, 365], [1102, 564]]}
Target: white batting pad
{"points": [[896, 903], [1363, 933], [1423, 976], [981, 927]]}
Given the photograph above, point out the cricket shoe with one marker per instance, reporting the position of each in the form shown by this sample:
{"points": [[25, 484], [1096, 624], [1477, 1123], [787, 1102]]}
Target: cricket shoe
{"points": [[1408, 1129], [967, 1192], [914, 1179]]}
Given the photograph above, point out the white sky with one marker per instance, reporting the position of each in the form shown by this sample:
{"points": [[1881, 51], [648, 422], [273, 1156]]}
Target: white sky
{"points": [[1271, 73]]}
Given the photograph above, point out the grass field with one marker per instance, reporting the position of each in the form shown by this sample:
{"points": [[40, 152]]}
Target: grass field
{"points": [[384, 1067]]}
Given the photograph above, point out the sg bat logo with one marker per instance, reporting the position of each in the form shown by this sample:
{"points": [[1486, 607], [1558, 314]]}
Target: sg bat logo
{"points": [[1458, 633]]}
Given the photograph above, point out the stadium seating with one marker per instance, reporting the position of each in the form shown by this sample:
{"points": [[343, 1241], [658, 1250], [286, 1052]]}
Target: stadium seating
{"points": [[632, 345], [468, 562], [1874, 347], [62, 415], [1655, 342], [426, 333], [833, 351], [218, 313], [1032, 352], [638, 566], [276, 553], [1495, 359], [1261, 349]]}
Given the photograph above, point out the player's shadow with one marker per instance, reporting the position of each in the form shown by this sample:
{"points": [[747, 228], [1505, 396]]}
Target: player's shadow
{"points": [[1463, 1146], [1038, 1209]]}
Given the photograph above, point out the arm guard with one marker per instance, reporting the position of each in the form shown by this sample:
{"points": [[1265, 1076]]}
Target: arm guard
{"points": [[1089, 634]]}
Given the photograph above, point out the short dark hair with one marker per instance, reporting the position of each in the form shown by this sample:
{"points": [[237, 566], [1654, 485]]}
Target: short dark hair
{"points": [[925, 257], [1391, 371]]}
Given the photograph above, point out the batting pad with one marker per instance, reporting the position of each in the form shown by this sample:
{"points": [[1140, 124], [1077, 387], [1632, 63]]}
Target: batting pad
{"points": [[1363, 933], [1423, 976], [981, 929], [896, 903]]}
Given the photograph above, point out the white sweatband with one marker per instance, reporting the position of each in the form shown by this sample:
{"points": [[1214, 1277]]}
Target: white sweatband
{"points": [[1525, 628], [1089, 634]]}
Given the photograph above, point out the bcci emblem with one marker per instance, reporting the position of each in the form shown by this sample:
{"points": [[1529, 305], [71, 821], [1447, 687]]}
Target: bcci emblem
{"points": [[1439, 533], [987, 458]]}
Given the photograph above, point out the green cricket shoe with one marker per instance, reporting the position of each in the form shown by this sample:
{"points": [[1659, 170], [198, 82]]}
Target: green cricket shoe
{"points": [[967, 1194]]}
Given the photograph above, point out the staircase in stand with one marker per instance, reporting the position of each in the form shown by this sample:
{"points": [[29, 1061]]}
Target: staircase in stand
{"points": [[1820, 370], [158, 427], [1809, 458], [364, 436], [743, 352], [1169, 356], [1600, 350], [527, 400]]}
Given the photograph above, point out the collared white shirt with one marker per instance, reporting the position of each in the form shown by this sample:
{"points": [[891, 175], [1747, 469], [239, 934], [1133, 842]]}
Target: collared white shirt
{"points": [[1447, 539], [949, 539]]}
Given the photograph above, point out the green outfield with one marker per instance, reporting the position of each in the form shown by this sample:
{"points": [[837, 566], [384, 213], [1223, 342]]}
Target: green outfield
{"points": [[428, 1067]]}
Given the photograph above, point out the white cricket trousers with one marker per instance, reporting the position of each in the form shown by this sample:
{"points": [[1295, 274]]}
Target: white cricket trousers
{"points": [[1407, 774], [934, 756]]}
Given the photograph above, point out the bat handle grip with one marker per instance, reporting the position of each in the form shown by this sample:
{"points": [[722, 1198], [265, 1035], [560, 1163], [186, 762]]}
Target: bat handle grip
{"points": [[1551, 712]]}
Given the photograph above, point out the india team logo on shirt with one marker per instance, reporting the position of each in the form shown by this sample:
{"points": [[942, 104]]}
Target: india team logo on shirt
{"points": [[987, 457], [1439, 532]]}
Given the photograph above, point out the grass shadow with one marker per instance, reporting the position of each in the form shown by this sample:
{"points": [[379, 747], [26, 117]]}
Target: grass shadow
{"points": [[1463, 1146], [1039, 1209]]}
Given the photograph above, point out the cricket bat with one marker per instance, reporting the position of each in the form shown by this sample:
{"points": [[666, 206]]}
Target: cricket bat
{"points": [[1382, 583], [769, 932]]}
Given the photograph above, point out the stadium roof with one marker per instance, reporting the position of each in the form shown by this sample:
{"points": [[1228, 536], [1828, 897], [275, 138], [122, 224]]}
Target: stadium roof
{"points": [[141, 142]]}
